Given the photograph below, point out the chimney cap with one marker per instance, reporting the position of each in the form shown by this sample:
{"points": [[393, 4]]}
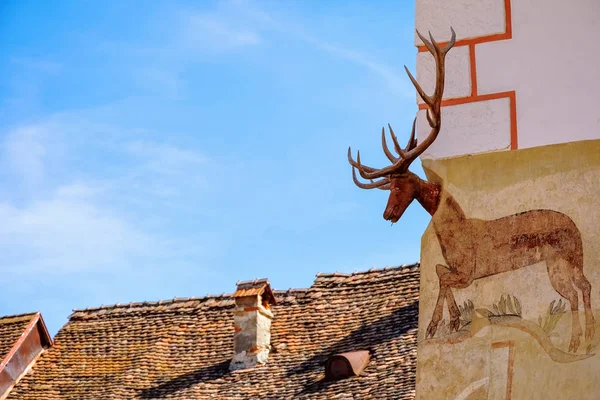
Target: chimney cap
{"points": [[255, 287]]}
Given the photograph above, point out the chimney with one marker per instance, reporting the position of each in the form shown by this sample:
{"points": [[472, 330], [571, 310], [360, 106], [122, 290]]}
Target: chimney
{"points": [[252, 319]]}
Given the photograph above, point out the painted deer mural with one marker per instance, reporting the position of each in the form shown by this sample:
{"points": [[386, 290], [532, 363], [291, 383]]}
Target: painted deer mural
{"points": [[475, 248]]}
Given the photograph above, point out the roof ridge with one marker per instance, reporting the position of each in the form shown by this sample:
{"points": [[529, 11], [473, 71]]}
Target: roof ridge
{"points": [[229, 295], [290, 290], [152, 303], [175, 300], [18, 317], [369, 271]]}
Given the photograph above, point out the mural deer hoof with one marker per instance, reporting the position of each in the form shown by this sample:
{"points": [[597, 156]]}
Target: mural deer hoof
{"points": [[574, 345], [454, 324], [431, 329], [589, 332]]}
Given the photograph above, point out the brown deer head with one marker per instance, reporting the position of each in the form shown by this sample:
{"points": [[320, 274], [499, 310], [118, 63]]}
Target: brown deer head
{"points": [[405, 186]]}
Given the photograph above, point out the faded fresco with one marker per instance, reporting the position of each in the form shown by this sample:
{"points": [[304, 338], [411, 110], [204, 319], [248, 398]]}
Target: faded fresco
{"points": [[476, 248], [514, 252]]}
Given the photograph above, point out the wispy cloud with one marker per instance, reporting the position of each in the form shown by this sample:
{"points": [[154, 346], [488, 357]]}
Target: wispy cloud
{"points": [[165, 158], [81, 221], [77, 191], [237, 25], [209, 32], [69, 232], [230, 25], [188, 35], [388, 74], [24, 152], [162, 81], [213, 27]]}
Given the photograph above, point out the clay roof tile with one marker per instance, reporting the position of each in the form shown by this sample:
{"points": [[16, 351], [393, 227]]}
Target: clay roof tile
{"points": [[182, 348]]}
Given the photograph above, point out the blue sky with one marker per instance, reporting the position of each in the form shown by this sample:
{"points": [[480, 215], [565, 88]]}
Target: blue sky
{"points": [[160, 149]]}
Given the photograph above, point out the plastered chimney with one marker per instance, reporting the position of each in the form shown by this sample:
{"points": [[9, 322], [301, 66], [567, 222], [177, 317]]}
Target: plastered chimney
{"points": [[252, 320]]}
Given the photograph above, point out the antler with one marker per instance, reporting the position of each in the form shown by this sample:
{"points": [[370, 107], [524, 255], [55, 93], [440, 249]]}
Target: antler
{"points": [[413, 149]]}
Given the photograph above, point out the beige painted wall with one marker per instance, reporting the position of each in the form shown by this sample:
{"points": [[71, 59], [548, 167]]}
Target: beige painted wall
{"points": [[522, 74], [500, 357]]}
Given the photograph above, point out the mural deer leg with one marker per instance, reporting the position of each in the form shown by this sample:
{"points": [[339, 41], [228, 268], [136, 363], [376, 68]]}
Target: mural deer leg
{"points": [[446, 278], [565, 277], [559, 273], [437, 312], [586, 289], [453, 310], [474, 248]]}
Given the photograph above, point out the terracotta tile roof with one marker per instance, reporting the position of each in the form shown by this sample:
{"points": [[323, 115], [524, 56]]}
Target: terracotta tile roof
{"points": [[181, 348], [11, 329], [23, 339]]}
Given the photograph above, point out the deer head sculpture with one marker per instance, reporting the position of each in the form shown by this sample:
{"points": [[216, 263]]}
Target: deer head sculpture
{"points": [[404, 186]]}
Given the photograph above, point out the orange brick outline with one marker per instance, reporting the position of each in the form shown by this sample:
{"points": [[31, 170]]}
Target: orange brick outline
{"points": [[475, 96], [511, 362]]}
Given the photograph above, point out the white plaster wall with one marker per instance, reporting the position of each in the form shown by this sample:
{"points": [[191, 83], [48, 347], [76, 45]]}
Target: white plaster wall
{"points": [[553, 64], [469, 18], [458, 78], [468, 129]]}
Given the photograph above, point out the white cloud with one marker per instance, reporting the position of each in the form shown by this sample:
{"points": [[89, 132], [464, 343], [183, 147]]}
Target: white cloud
{"points": [[164, 81], [254, 20], [165, 153], [187, 36], [24, 152], [66, 233], [397, 82], [230, 25], [164, 158], [208, 32], [77, 190], [77, 217]]}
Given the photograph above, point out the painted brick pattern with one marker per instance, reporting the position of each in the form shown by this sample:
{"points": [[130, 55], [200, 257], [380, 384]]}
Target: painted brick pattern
{"points": [[538, 58], [470, 18], [466, 127], [469, 128]]}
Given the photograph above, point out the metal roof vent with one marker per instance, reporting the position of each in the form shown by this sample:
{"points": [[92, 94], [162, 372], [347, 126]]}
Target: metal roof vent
{"points": [[345, 365]]}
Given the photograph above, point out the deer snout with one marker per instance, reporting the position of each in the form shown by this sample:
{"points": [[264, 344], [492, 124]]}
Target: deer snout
{"points": [[390, 214]]}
